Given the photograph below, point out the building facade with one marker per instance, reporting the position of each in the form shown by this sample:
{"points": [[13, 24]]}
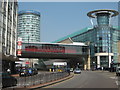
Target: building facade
{"points": [[29, 26], [102, 38], [118, 44], [8, 33]]}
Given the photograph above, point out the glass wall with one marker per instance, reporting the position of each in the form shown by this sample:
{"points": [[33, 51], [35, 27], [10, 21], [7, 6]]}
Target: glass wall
{"points": [[104, 62], [103, 39], [103, 18]]}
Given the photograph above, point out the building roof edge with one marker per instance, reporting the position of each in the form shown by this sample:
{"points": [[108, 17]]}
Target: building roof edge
{"points": [[73, 34]]}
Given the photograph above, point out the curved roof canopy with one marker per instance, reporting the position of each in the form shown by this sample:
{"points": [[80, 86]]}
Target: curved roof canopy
{"points": [[93, 14]]}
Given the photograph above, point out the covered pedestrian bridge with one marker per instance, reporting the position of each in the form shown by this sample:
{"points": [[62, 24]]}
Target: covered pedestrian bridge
{"points": [[52, 50], [74, 52]]}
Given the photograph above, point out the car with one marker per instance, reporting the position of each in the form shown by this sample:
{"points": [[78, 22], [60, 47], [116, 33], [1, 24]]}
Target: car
{"points": [[32, 71], [8, 80], [24, 72], [28, 71], [77, 71]]}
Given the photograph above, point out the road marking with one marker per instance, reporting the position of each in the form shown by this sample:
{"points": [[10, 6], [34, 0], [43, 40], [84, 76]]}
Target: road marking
{"points": [[116, 83], [113, 77]]}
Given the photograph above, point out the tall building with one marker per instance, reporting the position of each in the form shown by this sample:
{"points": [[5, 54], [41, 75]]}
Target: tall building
{"points": [[29, 26], [8, 33], [102, 38], [29, 30]]}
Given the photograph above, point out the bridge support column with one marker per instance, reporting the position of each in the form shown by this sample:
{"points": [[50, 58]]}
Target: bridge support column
{"points": [[88, 63], [85, 66], [98, 61], [88, 60]]}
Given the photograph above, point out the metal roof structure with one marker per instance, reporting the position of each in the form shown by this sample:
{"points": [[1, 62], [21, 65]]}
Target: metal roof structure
{"points": [[79, 32], [92, 14], [73, 34]]}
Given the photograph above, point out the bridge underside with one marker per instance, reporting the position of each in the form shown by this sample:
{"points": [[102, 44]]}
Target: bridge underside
{"points": [[50, 56]]}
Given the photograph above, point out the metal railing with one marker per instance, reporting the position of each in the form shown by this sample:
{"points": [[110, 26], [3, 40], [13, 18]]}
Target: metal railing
{"points": [[40, 79]]}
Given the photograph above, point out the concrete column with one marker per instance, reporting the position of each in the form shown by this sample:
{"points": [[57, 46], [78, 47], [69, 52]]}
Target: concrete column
{"points": [[109, 60], [88, 63], [98, 61], [85, 66], [88, 60]]}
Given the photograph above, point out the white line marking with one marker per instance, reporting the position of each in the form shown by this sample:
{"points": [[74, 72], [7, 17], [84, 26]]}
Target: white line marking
{"points": [[116, 83]]}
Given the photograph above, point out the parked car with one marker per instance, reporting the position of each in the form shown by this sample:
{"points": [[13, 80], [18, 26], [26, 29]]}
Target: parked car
{"points": [[77, 71], [28, 71], [24, 72], [8, 80]]}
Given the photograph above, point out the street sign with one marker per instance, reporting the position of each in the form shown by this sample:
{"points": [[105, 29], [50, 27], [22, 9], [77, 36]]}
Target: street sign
{"points": [[19, 53], [19, 47], [19, 43]]}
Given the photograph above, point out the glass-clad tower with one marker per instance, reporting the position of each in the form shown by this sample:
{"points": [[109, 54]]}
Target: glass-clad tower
{"points": [[103, 39], [29, 30], [29, 25]]}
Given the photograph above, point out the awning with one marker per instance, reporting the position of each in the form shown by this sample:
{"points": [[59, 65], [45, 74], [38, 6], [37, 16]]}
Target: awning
{"points": [[9, 57]]}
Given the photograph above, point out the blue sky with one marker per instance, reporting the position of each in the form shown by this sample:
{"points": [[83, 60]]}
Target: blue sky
{"points": [[59, 19]]}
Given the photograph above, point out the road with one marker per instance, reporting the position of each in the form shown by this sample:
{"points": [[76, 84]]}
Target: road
{"points": [[89, 79]]}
